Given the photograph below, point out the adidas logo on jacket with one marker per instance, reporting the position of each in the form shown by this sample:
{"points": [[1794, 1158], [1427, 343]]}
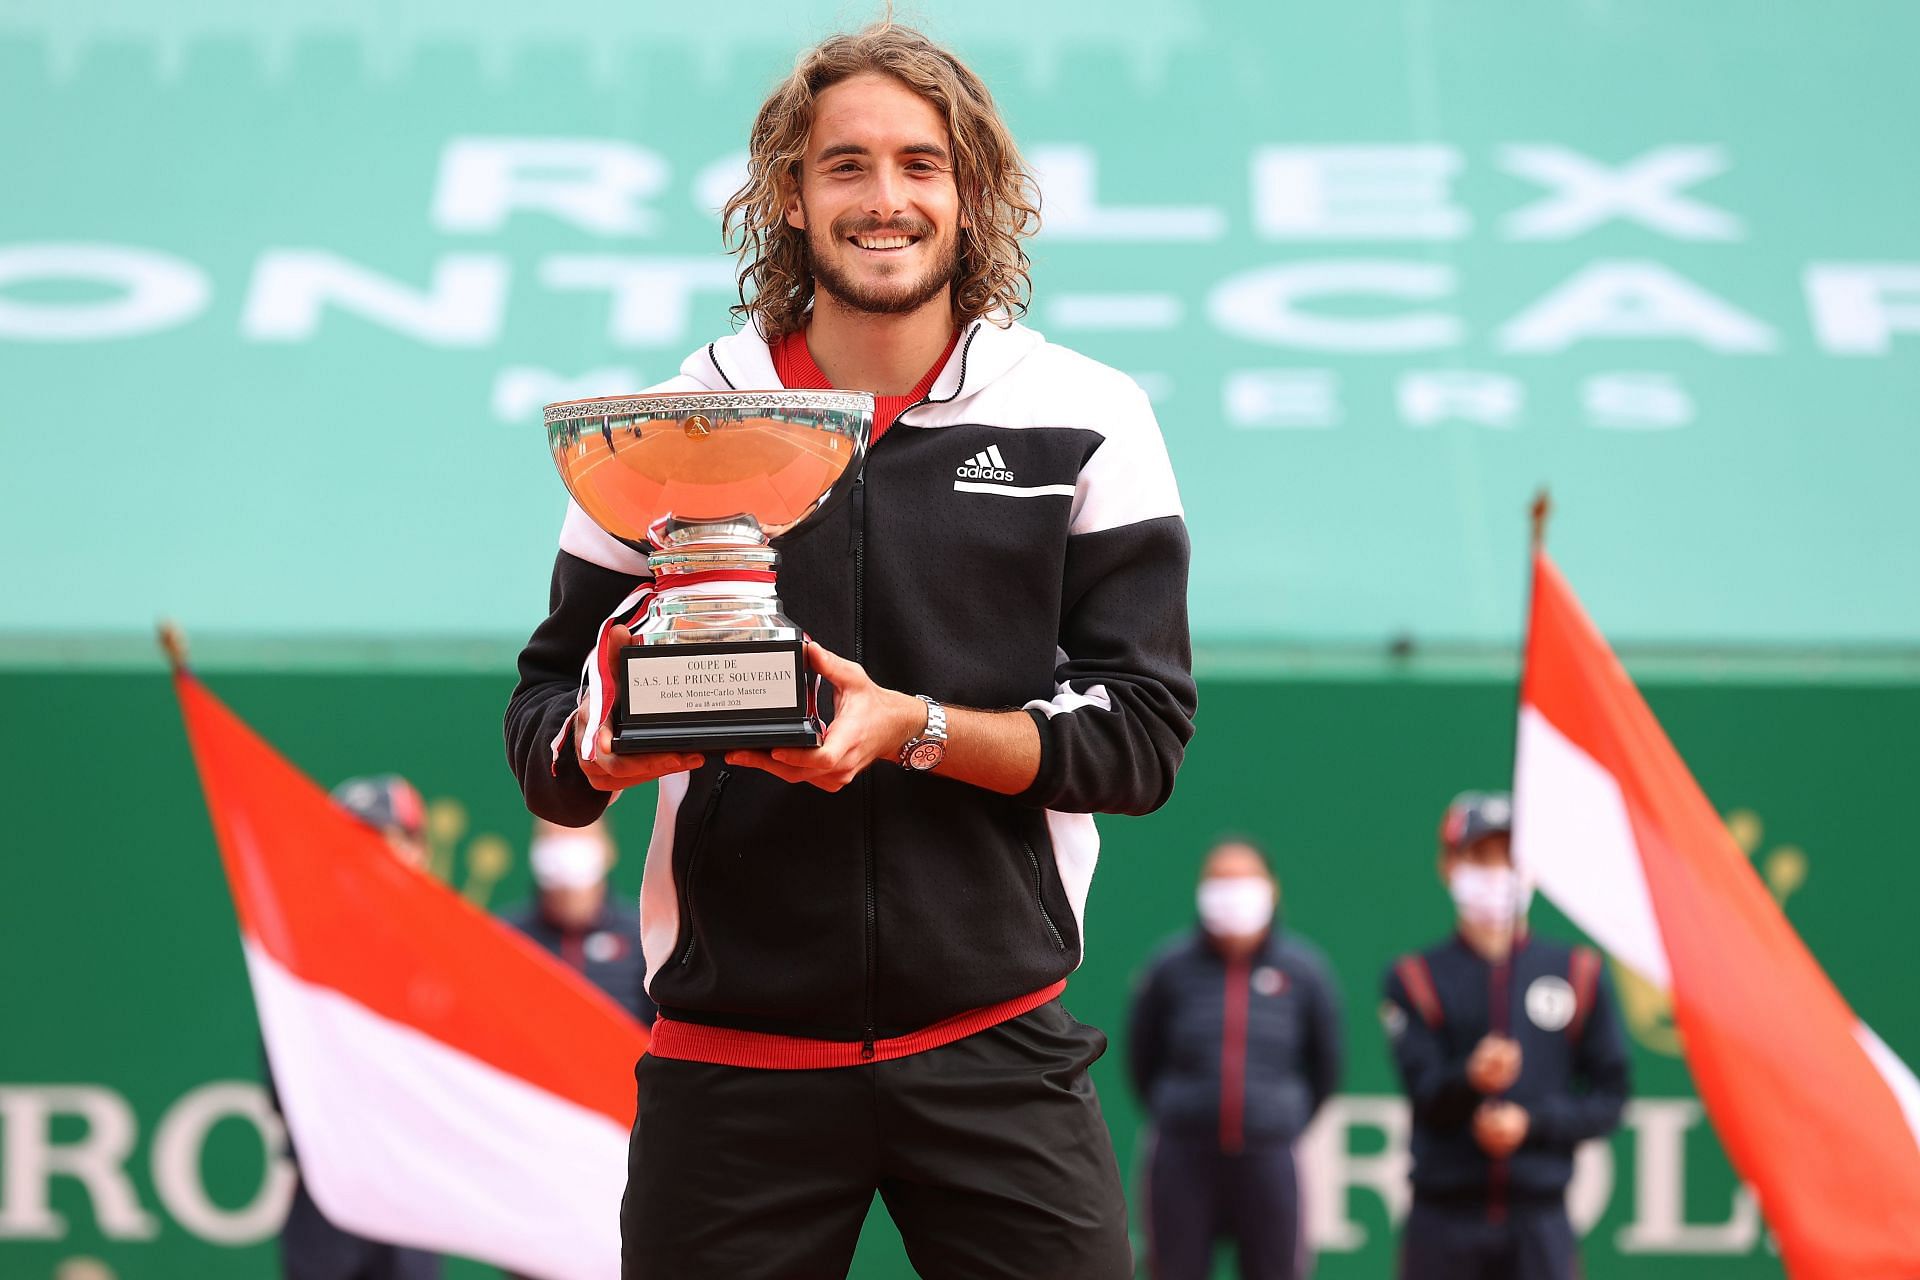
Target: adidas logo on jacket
{"points": [[985, 465]]}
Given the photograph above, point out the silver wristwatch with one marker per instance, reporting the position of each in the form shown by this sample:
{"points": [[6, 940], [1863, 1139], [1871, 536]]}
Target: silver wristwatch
{"points": [[926, 749]]}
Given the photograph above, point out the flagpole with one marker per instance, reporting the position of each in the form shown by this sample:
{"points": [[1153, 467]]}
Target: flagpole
{"points": [[1538, 512], [173, 643]]}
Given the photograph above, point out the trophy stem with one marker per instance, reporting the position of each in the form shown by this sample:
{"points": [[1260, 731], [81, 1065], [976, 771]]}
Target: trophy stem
{"points": [[714, 662], [715, 584], [682, 566]]}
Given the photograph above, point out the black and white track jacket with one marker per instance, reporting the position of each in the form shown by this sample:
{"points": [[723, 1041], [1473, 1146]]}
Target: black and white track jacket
{"points": [[1051, 577]]}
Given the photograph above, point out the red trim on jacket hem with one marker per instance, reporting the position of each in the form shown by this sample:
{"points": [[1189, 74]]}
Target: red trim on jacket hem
{"points": [[727, 1047]]}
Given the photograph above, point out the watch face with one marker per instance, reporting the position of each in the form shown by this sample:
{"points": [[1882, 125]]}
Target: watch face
{"points": [[926, 755]]}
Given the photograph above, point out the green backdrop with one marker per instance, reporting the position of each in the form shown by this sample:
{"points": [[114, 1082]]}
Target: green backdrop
{"points": [[126, 981], [283, 286]]}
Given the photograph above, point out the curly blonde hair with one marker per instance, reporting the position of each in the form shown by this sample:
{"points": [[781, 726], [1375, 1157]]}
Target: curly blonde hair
{"points": [[998, 196]]}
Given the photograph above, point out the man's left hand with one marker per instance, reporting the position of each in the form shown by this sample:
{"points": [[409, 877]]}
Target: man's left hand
{"points": [[1500, 1128], [869, 724]]}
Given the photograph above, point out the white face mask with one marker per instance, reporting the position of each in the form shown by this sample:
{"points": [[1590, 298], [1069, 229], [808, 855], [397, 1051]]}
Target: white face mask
{"points": [[1235, 906], [1491, 897], [567, 862]]}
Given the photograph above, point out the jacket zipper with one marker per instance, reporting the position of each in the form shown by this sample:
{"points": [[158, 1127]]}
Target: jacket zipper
{"points": [[693, 861], [965, 348], [860, 656], [1500, 1020], [871, 902], [1233, 1056], [1033, 861]]}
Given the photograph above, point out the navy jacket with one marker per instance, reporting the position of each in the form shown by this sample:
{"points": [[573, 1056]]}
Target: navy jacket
{"points": [[1245, 1049], [608, 954], [1554, 1000]]}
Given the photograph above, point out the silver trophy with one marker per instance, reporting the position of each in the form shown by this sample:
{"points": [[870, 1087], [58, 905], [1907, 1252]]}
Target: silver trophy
{"points": [[704, 482]]}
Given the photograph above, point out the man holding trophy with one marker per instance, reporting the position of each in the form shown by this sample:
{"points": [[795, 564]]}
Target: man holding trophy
{"points": [[889, 594]]}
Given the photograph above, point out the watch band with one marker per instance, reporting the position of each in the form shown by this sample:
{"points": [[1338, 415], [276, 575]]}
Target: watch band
{"points": [[936, 729], [933, 735]]}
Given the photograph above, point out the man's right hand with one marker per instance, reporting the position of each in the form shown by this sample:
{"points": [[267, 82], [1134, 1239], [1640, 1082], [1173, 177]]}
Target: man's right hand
{"points": [[609, 772], [1495, 1065], [1500, 1128]]}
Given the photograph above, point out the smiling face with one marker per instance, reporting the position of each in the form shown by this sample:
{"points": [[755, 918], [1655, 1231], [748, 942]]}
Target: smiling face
{"points": [[877, 200]]}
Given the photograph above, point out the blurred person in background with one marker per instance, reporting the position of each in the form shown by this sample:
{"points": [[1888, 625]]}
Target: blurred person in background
{"points": [[573, 916], [312, 1248], [1511, 1054], [392, 806], [1233, 1046]]}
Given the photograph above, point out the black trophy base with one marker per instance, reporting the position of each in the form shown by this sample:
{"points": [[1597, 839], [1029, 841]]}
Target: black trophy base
{"points": [[714, 696], [791, 731]]}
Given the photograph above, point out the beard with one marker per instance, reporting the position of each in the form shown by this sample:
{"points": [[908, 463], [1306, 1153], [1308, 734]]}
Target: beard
{"points": [[894, 297]]}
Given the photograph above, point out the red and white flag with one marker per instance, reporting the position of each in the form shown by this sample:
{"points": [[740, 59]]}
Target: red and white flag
{"points": [[447, 1083], [1816, 1113]]}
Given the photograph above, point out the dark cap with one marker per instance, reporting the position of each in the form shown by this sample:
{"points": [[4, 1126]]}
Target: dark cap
{"points": [[386, 801], [1474, 815]]}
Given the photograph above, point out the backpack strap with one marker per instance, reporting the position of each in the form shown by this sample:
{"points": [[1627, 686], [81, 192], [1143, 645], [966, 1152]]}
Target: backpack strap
{"points": [[1418, 981], [1583, 974]]}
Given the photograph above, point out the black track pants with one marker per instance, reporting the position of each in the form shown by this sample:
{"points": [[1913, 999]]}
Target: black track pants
{"points": [[990, 1153]]}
